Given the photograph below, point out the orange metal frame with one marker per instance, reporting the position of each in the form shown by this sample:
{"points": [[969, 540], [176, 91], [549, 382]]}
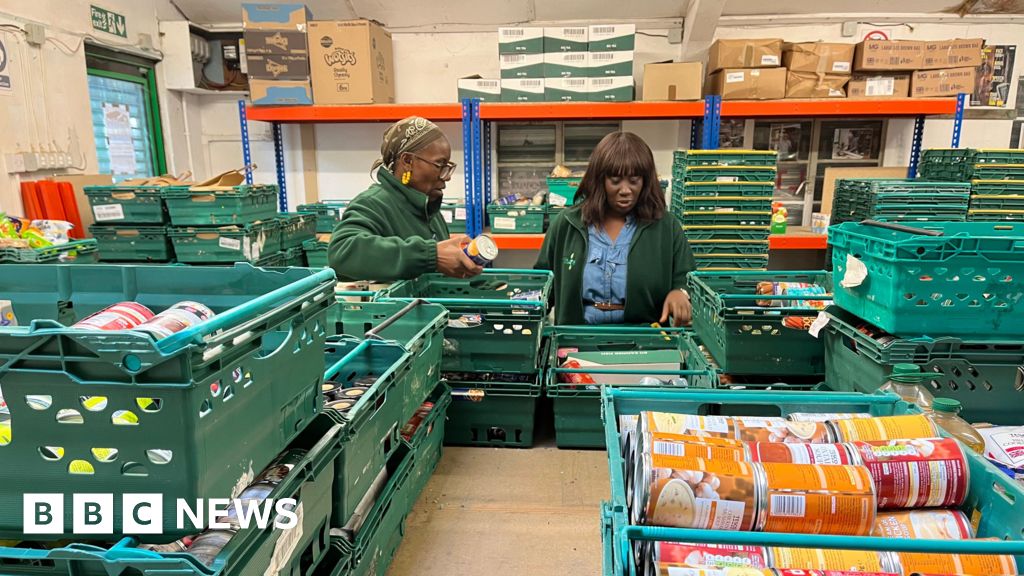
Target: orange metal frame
{"points": [[775, 241]]}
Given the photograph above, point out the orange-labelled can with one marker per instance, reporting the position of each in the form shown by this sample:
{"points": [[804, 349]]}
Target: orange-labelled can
{"points": [[923, 524], [815, 499], [975, 564], [849, 560], [884, 428], [793, 453], [695, 493]]}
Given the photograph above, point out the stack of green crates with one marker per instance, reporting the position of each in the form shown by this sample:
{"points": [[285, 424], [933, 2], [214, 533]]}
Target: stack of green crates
{"points": [[966, 164], [492, 350], [454, 215], [131, 222], [328, 213], [518, 218], [996, 201], [225, 226], [900, 200], [74, 252], [724, 200]]}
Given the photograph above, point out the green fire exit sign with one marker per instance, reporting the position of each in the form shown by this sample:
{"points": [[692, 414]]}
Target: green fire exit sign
{"points": [[109, 22]]}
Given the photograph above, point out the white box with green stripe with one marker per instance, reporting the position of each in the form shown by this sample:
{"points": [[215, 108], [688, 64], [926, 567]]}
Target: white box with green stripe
{"points": [[611, 63], [521, 40], [567, 65], [612, 37], [611, 89], [566, 39], [521, 65], [522, 90]]}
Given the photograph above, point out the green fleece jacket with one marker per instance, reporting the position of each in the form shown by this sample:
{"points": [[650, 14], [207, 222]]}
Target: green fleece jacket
{"points": [[389, 232], [659, 260]]}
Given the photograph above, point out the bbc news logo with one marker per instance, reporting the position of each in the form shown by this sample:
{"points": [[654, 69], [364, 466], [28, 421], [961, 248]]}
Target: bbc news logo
{"points": [[144, 514]]}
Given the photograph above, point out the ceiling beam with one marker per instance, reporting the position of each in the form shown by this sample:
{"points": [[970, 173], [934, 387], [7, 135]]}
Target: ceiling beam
{"points": [[699, 28]]}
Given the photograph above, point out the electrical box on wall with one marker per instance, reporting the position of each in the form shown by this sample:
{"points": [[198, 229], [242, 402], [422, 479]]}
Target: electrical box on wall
{"points": [[203, 61]]}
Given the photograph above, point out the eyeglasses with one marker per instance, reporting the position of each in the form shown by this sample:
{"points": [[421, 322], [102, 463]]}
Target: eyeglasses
{"points": [[445, 168]]}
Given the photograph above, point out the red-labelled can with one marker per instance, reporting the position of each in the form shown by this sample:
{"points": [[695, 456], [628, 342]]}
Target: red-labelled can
{"points": [[576, 377], [792, 453], [120, 316], [793, 572], [709, 555], [176, 318], [916, 473]]}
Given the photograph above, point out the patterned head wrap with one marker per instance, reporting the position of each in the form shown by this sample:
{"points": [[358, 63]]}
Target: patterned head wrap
{"points": [[408, 135]]}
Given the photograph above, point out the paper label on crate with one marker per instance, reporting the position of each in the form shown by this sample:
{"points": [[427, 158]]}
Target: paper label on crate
{"points": [[834, 92], [108, 212], [229, 243], [769, 60], [284, 548], [727, 179], [7, 317], [557, 200], [820, 322], [856, 272], [840, 66], [733, 77], [880, 86], [448, 217], [460, 213], [506, 223]]}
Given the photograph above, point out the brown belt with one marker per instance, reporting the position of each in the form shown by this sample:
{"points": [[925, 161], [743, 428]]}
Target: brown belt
{"points": [[605, 306]]}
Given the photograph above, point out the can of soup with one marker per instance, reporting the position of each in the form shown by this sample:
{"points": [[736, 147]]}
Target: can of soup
{"points": [[706, 555], [353, 393], [917, 473], [340, 406], [176, 318], [884, 428], [746, 429], [923, 524], [793, 453], [481, 250], [829, 559], [120, 316], [670, 569], [825, 416], [695, 493], [813, 499], [331, 390], [975, 564]]}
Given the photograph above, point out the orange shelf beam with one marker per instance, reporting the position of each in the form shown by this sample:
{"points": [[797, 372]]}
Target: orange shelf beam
{"points": [[354, 113], [839, 107], [588, 110], [797, 241]]}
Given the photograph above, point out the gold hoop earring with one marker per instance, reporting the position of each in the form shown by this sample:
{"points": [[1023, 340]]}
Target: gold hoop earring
{"points": [[406, 177]]}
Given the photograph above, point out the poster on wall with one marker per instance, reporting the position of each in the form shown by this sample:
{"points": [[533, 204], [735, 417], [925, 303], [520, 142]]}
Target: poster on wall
{"points": [[117, 129], [5, 76], [992, 83]]}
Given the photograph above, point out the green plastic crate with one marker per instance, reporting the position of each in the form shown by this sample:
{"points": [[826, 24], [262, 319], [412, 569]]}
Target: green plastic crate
{"points": [[725, 218], [984, 375], [495, 414], [258, 361], [242, 205], [487, 330], [731, 262], [997, 187], [994, 499], [372, 427], [517, 219], [578, 407], [725, 157], [728, 248], [427, 443], [316, 253], [128, 205], [725, 174], [133, 243], [995, 216], [726, 233], [328, 214], [712, 189], [296, 229], [998, 172], [1009, 202], [455, 216], [248, 242], [607, 540], [294, 257], [419, 329], [250, 552], [74, 252], [274, 260], [747, 338], [964, 283], [723, 203], [564, 188]]}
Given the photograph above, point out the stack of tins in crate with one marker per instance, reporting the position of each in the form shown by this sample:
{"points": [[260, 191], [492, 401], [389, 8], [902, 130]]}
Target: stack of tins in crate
{"points": [[382, 387], [491, 350], [835, 483], [753, 326], [724, 200], [105, 397]]}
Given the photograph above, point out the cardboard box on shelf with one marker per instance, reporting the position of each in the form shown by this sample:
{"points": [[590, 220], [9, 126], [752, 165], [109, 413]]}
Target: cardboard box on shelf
{"points": [[521, 65], [566, 39], [956, 53], [567, 65], [819, 57], [522, 90], [280, 92], [751, 53], [566, 89], [619, 63], [486, 89], [882, 55], [520, 40], [935, 83], [612, 37], [284, 67], [633, 360], [672, 81], [275, 43], [351, 62], [814, 85], [878, 86], [275, 17], [611, 89], [749, 83]]}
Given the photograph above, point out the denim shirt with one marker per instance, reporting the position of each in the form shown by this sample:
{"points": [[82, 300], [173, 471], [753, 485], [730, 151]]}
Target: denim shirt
{"points": [[604, 276]]}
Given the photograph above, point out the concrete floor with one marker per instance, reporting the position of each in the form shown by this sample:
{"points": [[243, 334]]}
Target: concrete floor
{"points": [[507, 512]]}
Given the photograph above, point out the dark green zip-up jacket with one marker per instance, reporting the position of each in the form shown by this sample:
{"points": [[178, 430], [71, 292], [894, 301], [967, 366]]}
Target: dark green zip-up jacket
{"points": [[658, 262], [389, 232]]}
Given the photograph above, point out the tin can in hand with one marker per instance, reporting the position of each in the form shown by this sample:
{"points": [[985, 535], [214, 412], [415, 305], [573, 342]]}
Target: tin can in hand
{"points": [[482, 249]]}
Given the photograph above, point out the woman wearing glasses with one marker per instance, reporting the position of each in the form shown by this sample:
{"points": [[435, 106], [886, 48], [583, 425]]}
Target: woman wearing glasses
{"points": [[393, 230]]}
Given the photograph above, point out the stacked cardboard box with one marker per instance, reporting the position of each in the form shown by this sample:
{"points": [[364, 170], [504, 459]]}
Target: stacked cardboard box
{"points": [[747, 69], [352, 62], [817, 69], [920, 69], [276, 54]]}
